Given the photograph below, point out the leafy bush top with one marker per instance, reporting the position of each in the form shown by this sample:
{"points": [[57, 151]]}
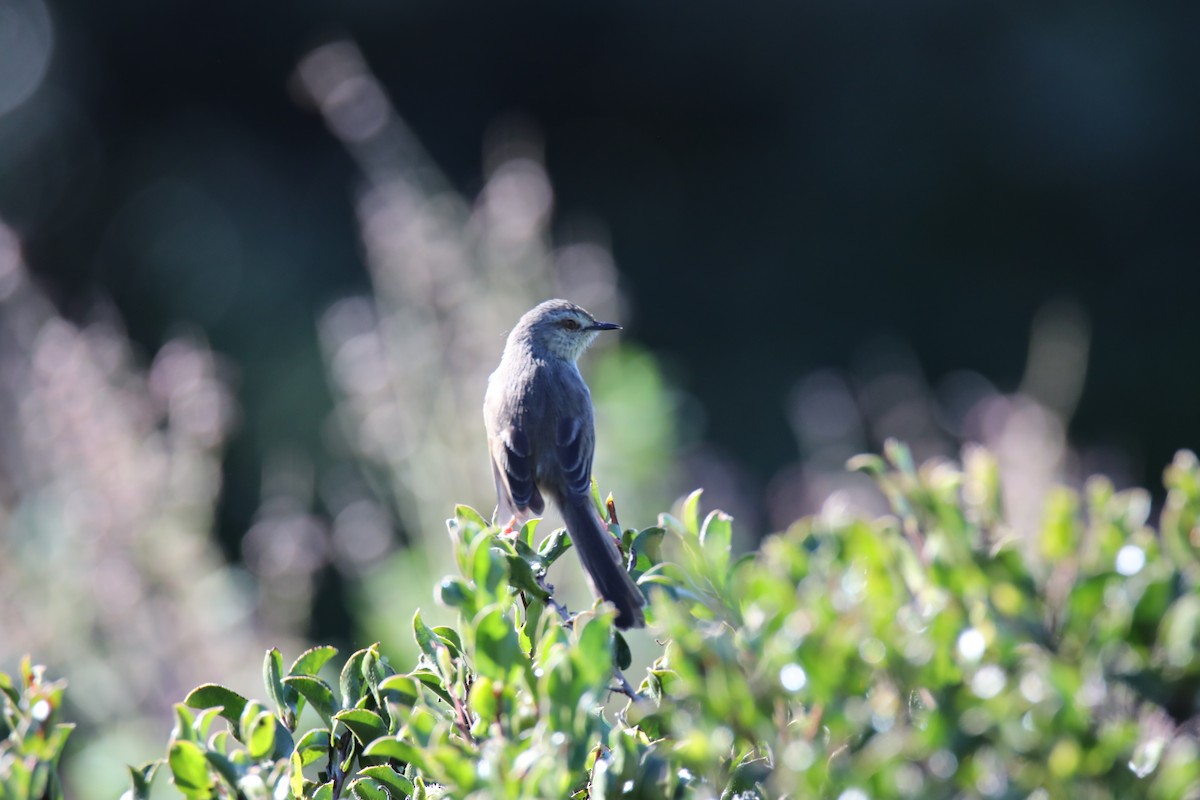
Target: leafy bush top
{"points": [[933, 652]]}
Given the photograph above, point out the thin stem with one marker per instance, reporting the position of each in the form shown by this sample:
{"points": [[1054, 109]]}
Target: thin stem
{"points": [[337, 757], [548, 588], [624, 686]]}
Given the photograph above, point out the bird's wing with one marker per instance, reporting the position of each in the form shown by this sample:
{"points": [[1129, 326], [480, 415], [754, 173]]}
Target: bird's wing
{"points": [[512, 469], [574, 445]]}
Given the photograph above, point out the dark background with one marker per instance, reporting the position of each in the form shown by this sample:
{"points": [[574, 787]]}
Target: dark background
{"points": [[781, 183]]}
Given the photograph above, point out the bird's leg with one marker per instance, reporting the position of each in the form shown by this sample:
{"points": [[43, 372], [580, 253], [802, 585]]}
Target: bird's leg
{"points": [[513, 528]]}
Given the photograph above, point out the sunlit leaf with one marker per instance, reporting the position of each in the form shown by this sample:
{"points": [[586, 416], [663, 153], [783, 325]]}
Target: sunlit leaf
{"points": [[311, 660], [189, 769], [317, 692], [211, 695], [364, 724]]}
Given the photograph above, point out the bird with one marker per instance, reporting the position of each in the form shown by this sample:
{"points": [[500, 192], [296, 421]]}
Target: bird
{"points": [[541, 438]]}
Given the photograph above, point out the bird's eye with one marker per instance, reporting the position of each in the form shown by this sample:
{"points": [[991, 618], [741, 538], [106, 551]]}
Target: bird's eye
{"points": [[571, 324]]}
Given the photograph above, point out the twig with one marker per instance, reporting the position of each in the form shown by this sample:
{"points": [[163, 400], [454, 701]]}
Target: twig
{"points": [[462, 719], [624, 686], [612, 518], [337, 758], [548, 588]]}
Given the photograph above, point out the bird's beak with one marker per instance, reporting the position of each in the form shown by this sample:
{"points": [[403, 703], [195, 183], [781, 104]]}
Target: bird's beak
{"points": [[604, 326]]}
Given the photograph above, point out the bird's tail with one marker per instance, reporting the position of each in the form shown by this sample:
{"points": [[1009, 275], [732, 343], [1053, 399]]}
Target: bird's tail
{"points": [[602, 560]]}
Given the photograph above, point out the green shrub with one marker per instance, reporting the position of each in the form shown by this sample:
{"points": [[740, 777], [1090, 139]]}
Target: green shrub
{"points": [[931, 653]]}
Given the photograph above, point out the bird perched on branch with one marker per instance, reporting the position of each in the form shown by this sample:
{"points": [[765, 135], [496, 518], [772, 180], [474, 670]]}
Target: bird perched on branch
{"points": [[541, 436]]}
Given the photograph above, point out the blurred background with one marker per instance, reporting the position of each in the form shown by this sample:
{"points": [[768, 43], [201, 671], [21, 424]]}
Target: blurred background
{"points": [[256, 263]]}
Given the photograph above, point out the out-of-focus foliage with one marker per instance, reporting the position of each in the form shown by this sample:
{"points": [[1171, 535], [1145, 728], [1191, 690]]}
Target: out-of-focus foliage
{"points": [[886, 394], [917, 654], [31, 735], [110, 476]]}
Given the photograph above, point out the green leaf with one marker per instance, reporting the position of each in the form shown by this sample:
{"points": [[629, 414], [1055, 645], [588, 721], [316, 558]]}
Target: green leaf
{"points": [[283, 697], [432, 681], [747, 775], [489, 568], [39, 781], [8, 689], [594, 657], [402, 689], [528, 530], [312, 747], [397, 749], [900, 455], [427, 640], [450, 638], [1179, 633], [367, 726], [30, 675], [367, 789], [228, 771], [142, 778], [296, 779], [716, 539], [869, 464], [554, 545], [211, 695], [689, 512], [311, 660], [596, 498], [185, 724], [219, 742], [397, 784], [622, 655], [454, 592], [483, 699], [529, 629], [260, 735], [497, 649], [1061, 527], [252, 709], [374, 670], [56, 741], [315, 691], [283, 742], [189, 769], [469, 517], [522, 575], [204, 721], [352, 685], [647, 544], [18, 780]]}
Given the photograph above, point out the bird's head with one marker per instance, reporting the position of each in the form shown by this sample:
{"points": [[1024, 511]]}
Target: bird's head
{"points": [[560, 329]]}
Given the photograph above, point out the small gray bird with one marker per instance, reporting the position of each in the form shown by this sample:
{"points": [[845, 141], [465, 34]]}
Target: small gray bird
{"points": [[538, 413]]}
